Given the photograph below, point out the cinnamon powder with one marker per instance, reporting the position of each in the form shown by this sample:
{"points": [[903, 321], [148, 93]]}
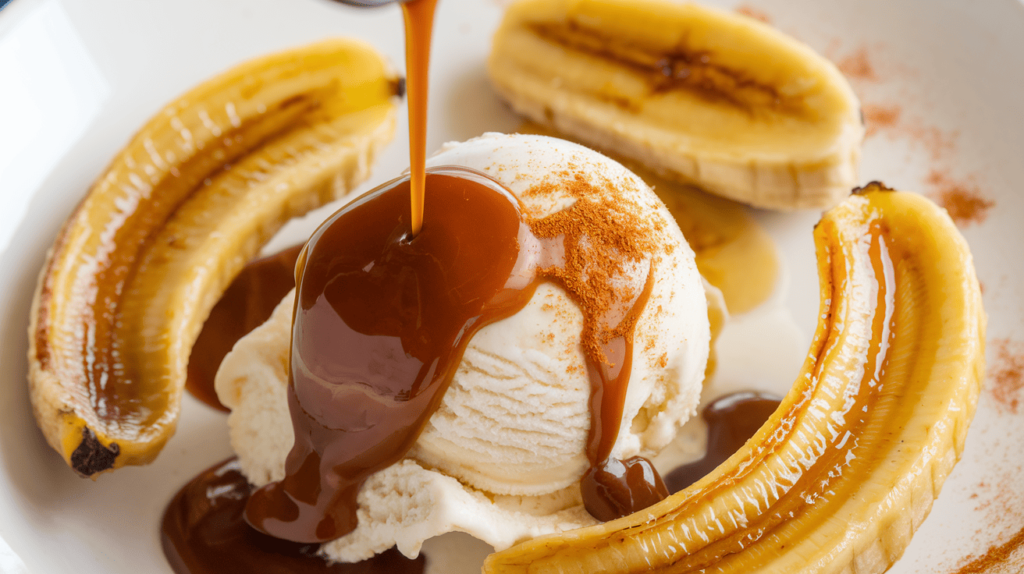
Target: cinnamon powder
{"points": [[878, 118], [604, 231], [1007, 375], [754, 13], [1006, 555], [858, 66], [962, 199], [939, 144]]}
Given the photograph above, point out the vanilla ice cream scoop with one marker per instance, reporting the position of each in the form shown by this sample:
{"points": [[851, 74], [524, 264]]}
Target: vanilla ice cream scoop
{"points": [[503, 455]]}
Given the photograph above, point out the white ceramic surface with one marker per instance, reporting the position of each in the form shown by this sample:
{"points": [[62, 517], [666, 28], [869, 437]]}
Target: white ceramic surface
{"points": [[78, 77]]}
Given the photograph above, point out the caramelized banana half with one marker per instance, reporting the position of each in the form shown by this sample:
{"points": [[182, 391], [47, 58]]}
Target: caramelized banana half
{"points": [[846, 470], [702, 96], [137, 267]]}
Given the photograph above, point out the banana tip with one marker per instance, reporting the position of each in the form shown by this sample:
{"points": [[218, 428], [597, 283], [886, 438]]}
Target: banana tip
{"points": [[91, 457]]}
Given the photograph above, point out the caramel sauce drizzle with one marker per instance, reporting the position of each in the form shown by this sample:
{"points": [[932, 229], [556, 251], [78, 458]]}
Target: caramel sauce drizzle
{"points": [[381, 321], [419, 26]]}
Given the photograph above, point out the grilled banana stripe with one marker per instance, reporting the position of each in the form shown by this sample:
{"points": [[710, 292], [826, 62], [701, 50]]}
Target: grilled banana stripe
{"points": [[701, 96], [139, 264], [846, 470]]}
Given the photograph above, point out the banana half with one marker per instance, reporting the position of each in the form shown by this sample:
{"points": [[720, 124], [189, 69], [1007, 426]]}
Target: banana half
{"points": [[702, 96], [137, 267], [840, 477]]}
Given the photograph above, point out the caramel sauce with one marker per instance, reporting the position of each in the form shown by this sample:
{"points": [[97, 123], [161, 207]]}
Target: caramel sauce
{"points": [[246, 304], [732, 420], [419, 26], [203, 533], [380, 324], [616, 488]]}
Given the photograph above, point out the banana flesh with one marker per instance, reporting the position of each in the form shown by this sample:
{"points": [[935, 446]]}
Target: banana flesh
{"points": [[702, 96], [846, 470], [137, 267]]}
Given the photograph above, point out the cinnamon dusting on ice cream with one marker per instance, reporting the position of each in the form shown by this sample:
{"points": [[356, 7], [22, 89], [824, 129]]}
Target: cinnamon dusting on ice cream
{"points": [[601, 238]]}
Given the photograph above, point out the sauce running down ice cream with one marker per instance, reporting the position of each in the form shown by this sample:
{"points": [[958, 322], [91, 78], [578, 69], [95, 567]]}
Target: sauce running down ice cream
{"points": [[382, 318]]}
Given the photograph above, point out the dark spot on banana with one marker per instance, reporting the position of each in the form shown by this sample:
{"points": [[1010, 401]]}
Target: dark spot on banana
{"points": [[91, 457]]}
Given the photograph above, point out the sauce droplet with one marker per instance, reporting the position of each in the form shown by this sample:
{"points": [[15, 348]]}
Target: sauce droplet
{"points": [[616, 488]]}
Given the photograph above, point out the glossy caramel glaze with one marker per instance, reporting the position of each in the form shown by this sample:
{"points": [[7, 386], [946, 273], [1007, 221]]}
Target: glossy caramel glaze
{"points": [[854, 393], [203, 533], [615, 488], [245, 305], [380, 324]]}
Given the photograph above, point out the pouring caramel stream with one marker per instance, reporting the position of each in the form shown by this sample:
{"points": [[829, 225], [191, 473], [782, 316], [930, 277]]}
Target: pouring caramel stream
{"points": [[419, 26]]}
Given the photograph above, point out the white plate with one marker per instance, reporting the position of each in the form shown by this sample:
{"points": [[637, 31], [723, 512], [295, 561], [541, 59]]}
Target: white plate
{"points": [[78, 77]]}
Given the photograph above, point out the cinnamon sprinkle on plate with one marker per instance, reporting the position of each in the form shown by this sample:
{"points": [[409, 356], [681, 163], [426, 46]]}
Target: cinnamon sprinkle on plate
{"points": [[1006, 379], [754, 13], [878, 118], [1006, 558], [858, 66], [962, 199]]}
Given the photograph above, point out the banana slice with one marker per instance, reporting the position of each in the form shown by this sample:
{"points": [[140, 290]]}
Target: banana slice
{"points": [[702, 96], [137, 267], [846, 470]]}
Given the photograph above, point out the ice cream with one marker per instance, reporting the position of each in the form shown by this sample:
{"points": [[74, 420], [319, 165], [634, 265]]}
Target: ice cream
{"points": [[502, 457]]}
